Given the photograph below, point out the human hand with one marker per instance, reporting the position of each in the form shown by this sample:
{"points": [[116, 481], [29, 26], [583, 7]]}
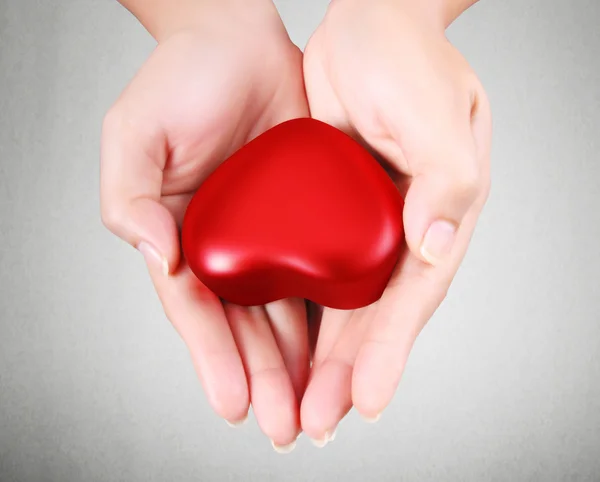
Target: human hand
{"points": [[209, 88], [384, 72]]}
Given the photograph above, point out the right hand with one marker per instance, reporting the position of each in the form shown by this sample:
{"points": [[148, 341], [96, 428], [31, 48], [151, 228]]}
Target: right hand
{"points": [[205, 92]]}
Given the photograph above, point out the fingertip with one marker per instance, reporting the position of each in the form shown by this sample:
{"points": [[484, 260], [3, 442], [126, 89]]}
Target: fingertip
{"points": [[326, 438], [225, 386], [232, 404], [433, 213], [275, 407], [438, 242], [283, 449], [154, 258], [370, 418], [238, 422], [148, 226], [375, 379], [326, 402]]}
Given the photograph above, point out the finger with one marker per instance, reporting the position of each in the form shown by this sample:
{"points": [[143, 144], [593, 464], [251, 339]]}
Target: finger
{"points": [[434, 209], [177, 205], [133, 155], [411, 299], [415, 292], [271, 392], [323, 102], [198, 316], [328, 395], [332, 326], [447, 179], [289, 327], [450, 173], [314, 315]]}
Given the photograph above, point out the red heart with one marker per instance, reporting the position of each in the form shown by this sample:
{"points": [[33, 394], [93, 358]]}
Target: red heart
{"points": [[301, 211]]}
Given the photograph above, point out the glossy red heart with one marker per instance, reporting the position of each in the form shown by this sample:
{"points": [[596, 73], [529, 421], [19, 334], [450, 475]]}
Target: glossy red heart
{"points": [[301, 211]]}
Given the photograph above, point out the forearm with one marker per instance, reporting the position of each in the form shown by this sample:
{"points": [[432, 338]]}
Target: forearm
{"points": [[164, 17], [452, 9], [438, 13]]}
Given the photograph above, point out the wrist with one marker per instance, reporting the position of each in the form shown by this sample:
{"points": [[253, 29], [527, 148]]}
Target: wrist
{"points": [[452, 9], [164, 18], [442, 12], [438, 14]]}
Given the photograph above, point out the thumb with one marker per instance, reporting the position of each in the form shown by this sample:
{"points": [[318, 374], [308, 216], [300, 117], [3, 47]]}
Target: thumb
{"points": [[439, 196], [133, 156]]}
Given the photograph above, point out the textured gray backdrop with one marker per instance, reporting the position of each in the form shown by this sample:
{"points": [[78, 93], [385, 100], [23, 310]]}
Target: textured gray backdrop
{"points": [[503, 384]]}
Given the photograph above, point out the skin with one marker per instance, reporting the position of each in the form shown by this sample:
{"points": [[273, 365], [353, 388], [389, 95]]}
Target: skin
{"points": [[205, 92], [384, 72]]}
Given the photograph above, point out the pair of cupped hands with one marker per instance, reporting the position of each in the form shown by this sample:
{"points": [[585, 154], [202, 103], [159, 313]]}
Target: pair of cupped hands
{"points": [[382, 71]]}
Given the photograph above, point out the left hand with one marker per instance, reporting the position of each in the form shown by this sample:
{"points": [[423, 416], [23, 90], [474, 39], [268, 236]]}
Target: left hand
{"points": [[384, 72]]}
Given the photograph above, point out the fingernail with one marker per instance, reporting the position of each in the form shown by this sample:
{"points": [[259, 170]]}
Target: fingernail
{"points": [[237, 423], [438, 241], [374, 419], [283, 449], [329, 437], [152, 255]]}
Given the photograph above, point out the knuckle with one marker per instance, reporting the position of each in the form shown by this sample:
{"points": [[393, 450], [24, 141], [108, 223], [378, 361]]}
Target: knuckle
{"points": [[483, 100], [112, 217], [468, 181], [113, 120], [440, 290], [439, 286], [486, 187], [109, 118], [112, 209]]}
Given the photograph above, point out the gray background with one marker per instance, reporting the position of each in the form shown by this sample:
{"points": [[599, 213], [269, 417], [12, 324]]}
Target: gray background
{"points": [[503, 384]]}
